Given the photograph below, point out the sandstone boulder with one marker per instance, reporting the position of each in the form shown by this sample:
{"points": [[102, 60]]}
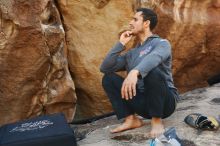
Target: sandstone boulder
{"points": [[91, 29], [34, 75]]}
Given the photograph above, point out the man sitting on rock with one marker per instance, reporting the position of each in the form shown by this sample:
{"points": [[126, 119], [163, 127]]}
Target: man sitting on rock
{"points": [[148, 89]]}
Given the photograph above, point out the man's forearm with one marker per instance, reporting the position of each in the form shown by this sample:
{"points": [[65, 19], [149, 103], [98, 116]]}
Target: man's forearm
{"points": [[111, 60]]}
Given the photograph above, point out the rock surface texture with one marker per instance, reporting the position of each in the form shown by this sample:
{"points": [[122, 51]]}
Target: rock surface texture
{"points": [[205, 101], [92, 27], [34, 75], [36, 49]]}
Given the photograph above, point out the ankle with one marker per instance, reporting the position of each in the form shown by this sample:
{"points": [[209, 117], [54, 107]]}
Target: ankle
{"points": [[131, 118], [156, 120]]}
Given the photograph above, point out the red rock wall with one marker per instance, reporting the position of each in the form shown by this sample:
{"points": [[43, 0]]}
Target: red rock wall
{"points": [[34, 75], [193, 28]]}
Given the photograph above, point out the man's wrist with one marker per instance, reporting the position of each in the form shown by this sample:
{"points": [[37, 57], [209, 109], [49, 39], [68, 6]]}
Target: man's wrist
{"points": [[136, 72], [123, 43]]}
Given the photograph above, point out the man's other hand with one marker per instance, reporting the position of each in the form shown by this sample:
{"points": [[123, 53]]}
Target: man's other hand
{"points": [[128, 89], [125, 37]]}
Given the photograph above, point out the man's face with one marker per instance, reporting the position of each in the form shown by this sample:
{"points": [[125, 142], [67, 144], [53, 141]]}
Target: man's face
{"points": [[137, 25]]}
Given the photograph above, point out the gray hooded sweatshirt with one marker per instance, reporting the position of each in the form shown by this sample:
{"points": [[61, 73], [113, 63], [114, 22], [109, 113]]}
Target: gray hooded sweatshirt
{"points": [[154, 52]]}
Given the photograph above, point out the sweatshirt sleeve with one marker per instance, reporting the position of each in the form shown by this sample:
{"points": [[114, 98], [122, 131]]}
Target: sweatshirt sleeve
{"points": [[160, 53], [114, 61]]}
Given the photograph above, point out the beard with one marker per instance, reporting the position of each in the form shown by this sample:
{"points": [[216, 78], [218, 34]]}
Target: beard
{"points": [[137, 32]]}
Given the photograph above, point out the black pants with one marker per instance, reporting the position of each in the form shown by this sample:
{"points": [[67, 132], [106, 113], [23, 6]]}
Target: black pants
{"points": [[157, 100]]}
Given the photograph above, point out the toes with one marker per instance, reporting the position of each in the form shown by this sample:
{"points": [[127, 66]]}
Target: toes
{"points": [[115, 130], [153, 135], [156, 133], [118, 129], [147, 135]]}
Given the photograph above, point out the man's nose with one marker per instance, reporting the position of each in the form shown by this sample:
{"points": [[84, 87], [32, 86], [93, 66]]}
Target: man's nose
{"points": [[130, 23]]}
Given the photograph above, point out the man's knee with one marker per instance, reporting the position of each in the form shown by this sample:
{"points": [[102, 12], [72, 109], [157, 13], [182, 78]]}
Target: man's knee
{"points": [[154, 75], [108, 78]]}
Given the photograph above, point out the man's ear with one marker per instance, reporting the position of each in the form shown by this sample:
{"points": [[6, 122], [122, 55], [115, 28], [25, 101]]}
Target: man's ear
{"points": [[147, 23]]}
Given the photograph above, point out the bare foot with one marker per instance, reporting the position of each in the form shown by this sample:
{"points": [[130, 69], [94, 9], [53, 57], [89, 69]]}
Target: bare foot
{"points": [[157, 127], [131, 122]]}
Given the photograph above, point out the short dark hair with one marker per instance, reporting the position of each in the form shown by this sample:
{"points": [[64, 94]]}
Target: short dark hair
{"points": [[150, 15]]}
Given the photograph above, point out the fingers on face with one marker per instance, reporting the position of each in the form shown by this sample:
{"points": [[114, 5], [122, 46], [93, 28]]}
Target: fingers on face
{"points": [[128, 34]]}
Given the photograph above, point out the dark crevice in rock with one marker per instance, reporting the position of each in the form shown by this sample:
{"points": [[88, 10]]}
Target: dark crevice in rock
{"points": [[190, 97], [58, 74], [186, 108], [186, 142], [65, 29], [214, 79], [127, 137], [198, 91], [59, 10], [50, 16], [137, 138], [99, 4], [62, 21], [141, 138], [194, 92], [80, 135], [215, 101]]}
